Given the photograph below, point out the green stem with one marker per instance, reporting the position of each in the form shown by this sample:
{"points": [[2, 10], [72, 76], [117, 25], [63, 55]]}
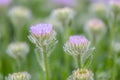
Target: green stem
{"points": [[112, 34], [46, 64], [79, 61], [114, 68]]}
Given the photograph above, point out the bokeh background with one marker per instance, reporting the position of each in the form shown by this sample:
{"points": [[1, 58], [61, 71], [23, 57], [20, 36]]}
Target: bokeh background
{"points": [[17, 16]]}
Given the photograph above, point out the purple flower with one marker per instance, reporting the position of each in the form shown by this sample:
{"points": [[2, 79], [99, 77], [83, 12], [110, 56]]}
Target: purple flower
{"points": [[76, 45], [78, 40], [5, 2], [65, 2], [41, 29]]}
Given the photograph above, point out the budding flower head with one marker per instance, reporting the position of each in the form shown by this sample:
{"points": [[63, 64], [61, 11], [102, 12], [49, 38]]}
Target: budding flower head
{"points": [[19, 15], [76, 45], [42, 34], [115, 6], [95, 26], [18, 49], [63, 14], [19, 76], [81, 74], [98, 8]]}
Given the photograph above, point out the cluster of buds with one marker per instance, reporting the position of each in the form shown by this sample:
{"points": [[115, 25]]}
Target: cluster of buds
{"points": [[81, 74], [18, 50], [78, 47], [19, 76], [115, 6], [64, 15], [19, 15]]}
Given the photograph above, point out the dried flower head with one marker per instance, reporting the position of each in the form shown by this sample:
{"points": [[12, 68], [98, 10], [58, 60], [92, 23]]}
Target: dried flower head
{"points": [[81, 74], [76, 45], [19, 15], [64, 15], [115, 6], [19, 76], [18, 49], [95, 26]]}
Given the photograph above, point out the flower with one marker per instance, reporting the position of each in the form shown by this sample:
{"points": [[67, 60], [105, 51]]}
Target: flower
{"points": [[95, 26], [76, 45], [19, 76], [19, 15], [81, 74], [18, 49], [98, 8], [64, 15], [115, 6], [43, 35]]}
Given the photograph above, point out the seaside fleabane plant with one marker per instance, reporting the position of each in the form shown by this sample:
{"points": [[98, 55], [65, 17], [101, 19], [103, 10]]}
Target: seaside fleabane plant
{"points": [[44, 37], [79, 47], [19, 76], [81, 74], [96, 29]]}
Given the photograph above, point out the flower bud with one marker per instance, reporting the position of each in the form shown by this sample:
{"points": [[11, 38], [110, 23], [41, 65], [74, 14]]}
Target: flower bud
{"points": [[42, 35], [19, 76], [19, 15], [18, 49], [95, 26], [81, 74], [98, 8], [76, 45], [64, 15], [115, 6]]}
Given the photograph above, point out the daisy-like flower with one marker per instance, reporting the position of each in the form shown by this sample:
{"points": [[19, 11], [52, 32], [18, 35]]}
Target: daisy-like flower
{"points": [[19, 76]]}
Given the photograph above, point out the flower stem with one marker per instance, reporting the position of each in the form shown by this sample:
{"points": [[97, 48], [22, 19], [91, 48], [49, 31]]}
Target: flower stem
{"points": [[112, 34], [114, 68], [79, 61], [46, 65]]}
